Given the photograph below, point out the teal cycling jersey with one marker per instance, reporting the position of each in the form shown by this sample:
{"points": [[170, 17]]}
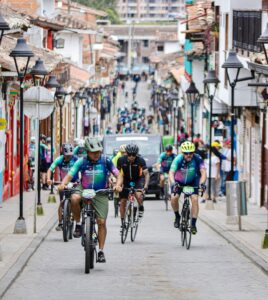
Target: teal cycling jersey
{"points": [[165, 161], [186, 172], [64, 166], [80, 151]]}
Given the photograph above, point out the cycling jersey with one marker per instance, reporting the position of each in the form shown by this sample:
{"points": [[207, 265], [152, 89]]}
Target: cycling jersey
{"points": [[187, 172], [93, 174], [79, 151], [64, 166], [131, 171], [165, 161]]}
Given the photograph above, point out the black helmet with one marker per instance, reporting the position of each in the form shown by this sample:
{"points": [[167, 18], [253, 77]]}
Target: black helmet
{"points": [[169, 148], [67, 149], [132, 149]]}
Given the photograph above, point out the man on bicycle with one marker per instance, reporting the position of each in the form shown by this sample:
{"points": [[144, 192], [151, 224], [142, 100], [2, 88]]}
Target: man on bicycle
{"points": [[187, 169], [64, 162], [94, 171], [132, 168], [164, 162]]}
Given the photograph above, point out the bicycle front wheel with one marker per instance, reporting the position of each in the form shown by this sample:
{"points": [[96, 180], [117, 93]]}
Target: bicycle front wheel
{"points": [[135, 224], [87, 246], [66, 220], [166, 196], [126, 223], [188, 232]]}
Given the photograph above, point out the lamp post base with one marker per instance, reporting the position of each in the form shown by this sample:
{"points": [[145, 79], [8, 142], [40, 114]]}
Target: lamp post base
{"points": [[20, 227], [209, 205], [232, 220], [264, 242], [39, 210], [51, 198]]}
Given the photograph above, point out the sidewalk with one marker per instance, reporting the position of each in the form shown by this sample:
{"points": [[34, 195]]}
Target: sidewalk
{"points": [[16, 249], [249, 239]]}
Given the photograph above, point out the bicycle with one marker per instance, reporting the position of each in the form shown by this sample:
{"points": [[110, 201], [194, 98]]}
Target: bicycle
{"points": [[131, 217], [166, 191], [186, 215], [67, 216], [89, 237]]}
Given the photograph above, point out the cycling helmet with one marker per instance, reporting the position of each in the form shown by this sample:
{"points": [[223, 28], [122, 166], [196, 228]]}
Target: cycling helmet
{"points": [[122, 148], [169, 148], [93, 144], [216, 144], [67, 149], [187, 147], [48, 139], [132, 149], [81, 143], [76, 141]]}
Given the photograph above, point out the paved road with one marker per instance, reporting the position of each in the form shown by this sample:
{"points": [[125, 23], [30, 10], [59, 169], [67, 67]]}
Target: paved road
{"points": [[154, 267]]}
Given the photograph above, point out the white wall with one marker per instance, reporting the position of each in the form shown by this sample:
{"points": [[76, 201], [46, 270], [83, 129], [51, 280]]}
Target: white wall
{"points": [[171, 47], [72, 47], [47, 7]]}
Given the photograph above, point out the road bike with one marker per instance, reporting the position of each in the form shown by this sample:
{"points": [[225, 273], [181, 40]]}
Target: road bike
{"points": [[186, 215], [89, 237], [131, 217]]}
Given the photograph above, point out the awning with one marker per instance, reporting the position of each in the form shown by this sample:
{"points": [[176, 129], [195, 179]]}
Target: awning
{"points": [[218, 108]]}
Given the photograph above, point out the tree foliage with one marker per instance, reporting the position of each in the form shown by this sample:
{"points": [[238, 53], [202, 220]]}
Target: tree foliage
{"points": [[109, 6]]}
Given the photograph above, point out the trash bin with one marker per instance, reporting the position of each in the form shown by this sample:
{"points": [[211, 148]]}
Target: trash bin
{"points": [[236, 198]]}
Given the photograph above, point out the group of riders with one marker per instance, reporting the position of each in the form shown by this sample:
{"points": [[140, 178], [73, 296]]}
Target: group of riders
{"points": [[87, 168]]}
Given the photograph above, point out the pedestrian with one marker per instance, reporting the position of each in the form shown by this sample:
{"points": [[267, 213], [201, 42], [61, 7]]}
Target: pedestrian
{"points": [[214, 177], [226, 165], [43, 162]]}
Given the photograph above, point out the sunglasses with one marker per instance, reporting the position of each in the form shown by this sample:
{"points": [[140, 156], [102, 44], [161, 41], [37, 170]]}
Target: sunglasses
{"points": [[129, 154], [188, 153]]}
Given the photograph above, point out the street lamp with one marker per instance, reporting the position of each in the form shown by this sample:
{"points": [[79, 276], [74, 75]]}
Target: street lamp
{"points": [[76, 100], [39, 70], [21, 50], [232, 62], [210, 80], [263, 39], [192, 94], [3, 26], [60, 96], [52, 83]]}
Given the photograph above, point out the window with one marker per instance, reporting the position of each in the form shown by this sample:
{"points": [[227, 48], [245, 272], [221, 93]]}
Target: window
{"points": [[145, 43], [160, 48], [246, 30], [145, 59]]}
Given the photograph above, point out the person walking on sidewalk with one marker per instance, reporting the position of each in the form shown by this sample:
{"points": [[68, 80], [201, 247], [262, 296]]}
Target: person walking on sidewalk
{"points": [[187, 169], [215, 177], [64, 162]]}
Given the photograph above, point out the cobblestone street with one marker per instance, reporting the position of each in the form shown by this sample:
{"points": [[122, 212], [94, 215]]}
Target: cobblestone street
{"points": [[155, 266]]}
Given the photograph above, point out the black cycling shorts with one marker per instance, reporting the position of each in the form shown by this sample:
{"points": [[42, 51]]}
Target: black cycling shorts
{"points": [[194, 184], [139, 184]]}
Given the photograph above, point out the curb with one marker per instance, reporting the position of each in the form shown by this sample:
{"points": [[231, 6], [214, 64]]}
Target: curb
{"points": [[251, 255], [14, 272]]}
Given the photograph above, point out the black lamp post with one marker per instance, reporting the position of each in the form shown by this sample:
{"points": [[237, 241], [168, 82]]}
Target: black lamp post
{"points": [[192, 97], [39, 70], [3, 27], [232, 62], [76, 100], [21, 51], [174, 96], [52, 83], [60, 96], [210, 80]]}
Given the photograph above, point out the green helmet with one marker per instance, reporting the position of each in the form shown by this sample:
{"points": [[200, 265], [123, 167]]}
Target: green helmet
{"points": [[93, 144]]}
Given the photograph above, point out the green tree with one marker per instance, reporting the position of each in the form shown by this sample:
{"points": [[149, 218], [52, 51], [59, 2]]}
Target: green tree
{"points": [[109, 6]]}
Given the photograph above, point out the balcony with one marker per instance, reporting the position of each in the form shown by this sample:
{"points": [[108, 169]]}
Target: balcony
{"points": [[246, 30]]}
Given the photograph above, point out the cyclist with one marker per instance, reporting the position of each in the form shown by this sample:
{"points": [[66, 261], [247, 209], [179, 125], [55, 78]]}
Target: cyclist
{"points": [[164, 162], [120, 153], [187, 169], [132, 168], [79, 149], [64, 162], [94, 171]]}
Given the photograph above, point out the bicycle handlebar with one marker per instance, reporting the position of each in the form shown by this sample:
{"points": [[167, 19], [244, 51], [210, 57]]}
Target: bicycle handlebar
{"points": [[177, 186]]}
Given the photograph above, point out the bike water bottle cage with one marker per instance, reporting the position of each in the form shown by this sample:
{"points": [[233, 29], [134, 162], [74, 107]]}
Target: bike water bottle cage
{"points": [[188, 190], [88, 194]]}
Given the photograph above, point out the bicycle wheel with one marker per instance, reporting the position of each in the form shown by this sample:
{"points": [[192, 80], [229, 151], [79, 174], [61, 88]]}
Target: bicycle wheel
{"points": [[188, 233], [87, 245], [135, 224], [126, 224], [92, 246], [66, 220], [166, 197], [116, 207], [183, 234], [71, 227]]}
